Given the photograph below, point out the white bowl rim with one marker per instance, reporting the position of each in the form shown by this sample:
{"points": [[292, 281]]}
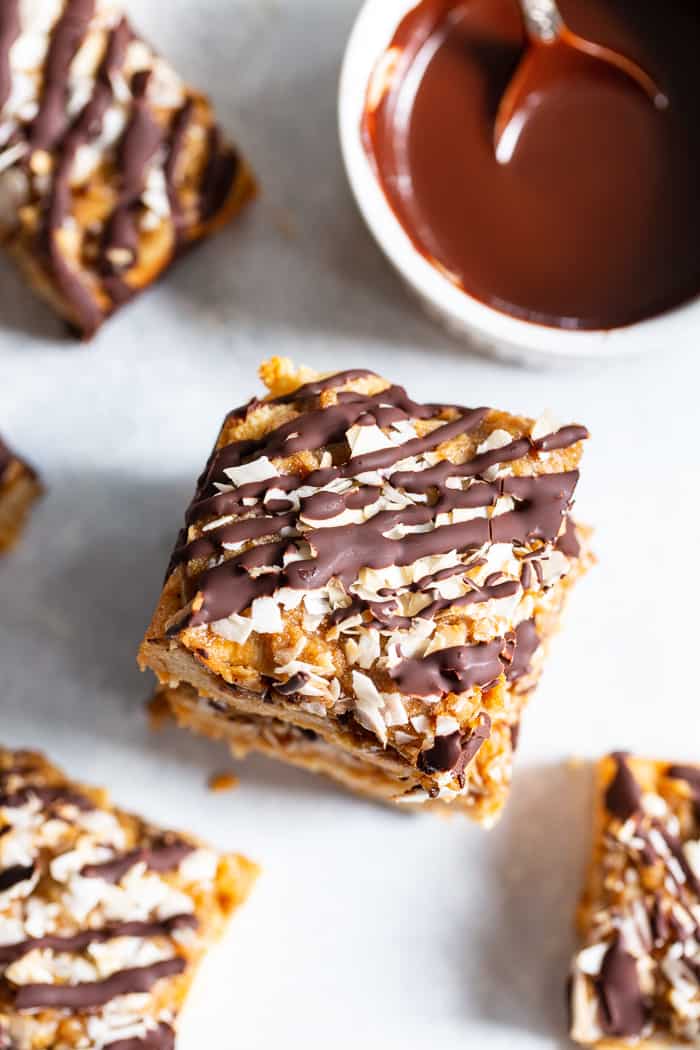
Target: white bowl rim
{"points": [[372, 32]]}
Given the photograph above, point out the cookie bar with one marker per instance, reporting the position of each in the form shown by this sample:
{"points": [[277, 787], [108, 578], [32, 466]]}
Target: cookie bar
{"points": [[380, 575], [103, 918], [367, 768], [19, 489], [110, 165], [636, 980]]}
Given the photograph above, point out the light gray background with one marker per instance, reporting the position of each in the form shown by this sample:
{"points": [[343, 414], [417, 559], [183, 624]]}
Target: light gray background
{"points": [[369, 927]]}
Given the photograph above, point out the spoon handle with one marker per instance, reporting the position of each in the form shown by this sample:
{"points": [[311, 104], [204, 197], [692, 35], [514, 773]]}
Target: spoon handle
{"points": [[543, 19]]}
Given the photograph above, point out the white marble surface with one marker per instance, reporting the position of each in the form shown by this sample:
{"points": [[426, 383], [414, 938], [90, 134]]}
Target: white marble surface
{"points": [[369, 928]]}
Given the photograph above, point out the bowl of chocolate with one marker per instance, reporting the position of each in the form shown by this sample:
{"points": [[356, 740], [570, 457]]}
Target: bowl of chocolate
{"points": [[580, 238]]}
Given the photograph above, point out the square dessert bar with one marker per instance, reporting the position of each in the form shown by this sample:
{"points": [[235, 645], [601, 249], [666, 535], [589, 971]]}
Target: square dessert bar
{"points": [[110, 165], [103, 918], [19, 489], [636, 980], [364, 585]]}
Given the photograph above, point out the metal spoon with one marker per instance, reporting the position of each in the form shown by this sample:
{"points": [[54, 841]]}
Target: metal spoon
{"points": [[549, 37]]}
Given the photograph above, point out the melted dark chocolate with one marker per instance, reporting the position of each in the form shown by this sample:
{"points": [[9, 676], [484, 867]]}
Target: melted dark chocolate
{"points": [[594, 223]]}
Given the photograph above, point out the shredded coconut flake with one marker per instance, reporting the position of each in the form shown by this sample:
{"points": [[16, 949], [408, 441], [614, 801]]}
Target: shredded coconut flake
{"points": [[259, 469], [266, 617]]}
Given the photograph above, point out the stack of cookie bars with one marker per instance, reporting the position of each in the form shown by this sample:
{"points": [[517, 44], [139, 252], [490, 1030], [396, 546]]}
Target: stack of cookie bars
{"points": [[365, 585]]}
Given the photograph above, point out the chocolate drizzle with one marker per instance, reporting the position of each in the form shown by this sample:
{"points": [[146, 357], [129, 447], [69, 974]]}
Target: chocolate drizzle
{"points": [[138, 145], [675, 848], [343, 551], [176, 143], [162, 858], [90, 994], [49, 797], [623, 1010], [527, 642], [320, 427], [67, 35], [453, 753], [11, 877], [562, 438], [219, 175], [453, 670], [78, 942], [160, 1038], [308, 391], [86, 128], [624, 797]]}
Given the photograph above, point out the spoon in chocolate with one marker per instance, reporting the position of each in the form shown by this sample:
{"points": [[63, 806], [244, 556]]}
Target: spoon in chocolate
{"points": [[555, 52]]}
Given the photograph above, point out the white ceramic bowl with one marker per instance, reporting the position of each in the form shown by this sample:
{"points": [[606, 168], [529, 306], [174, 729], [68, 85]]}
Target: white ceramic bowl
{"points": [[480, 325]]}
